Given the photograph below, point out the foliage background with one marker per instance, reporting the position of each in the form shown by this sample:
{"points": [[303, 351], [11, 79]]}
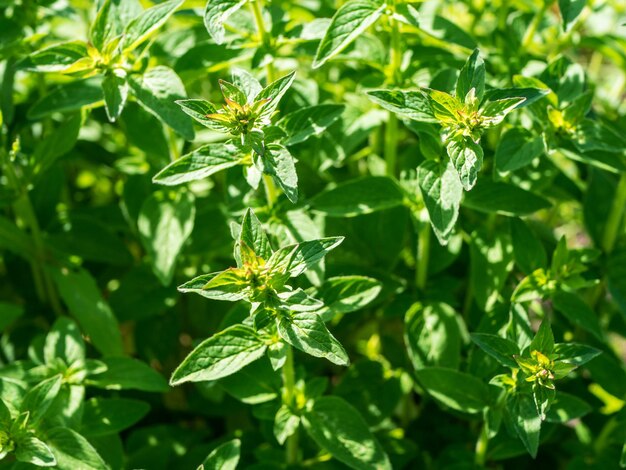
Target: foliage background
{"points": [[85, 233]]}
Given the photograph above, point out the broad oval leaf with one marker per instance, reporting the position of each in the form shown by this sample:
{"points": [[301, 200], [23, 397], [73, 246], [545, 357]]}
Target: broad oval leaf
{"points": [[413, 104], [216, 14], [499, 348], [350, 20], [306, 122], [360, 196], [504, 198], [442, 192], [221, 355], [199, 164], [157, 91], [307, 332], [144, 25], [457, 390], [165, 222], [337, 427], [223, 457], [467, 158]]}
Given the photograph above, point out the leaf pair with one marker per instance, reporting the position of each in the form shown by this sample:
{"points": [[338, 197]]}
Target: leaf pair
{"points": [[111, 52], [463, 117], [260, 278]]}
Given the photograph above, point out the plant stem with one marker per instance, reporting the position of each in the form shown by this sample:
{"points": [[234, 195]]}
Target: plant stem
{"points": [[613, 223], [289, 395], [271, 193], [266, 39], [394, 75], [423, 251], [391, 144], [481, 446], [24, 210], [532, 27]]}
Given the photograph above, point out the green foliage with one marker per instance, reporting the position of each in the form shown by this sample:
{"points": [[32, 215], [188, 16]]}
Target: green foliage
{"points": [[404, 222]]}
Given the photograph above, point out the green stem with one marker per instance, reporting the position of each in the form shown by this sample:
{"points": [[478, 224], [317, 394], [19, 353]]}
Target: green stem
{"points": [[423, 251], [614, 222], [266, 39], [391, 144], [289, 398], [532, 27], [271, 192], [394, 76], [481, 446], [24, 211]]}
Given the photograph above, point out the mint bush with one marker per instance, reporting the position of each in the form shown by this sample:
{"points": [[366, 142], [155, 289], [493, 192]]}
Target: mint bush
{"points": [[403, 223]]}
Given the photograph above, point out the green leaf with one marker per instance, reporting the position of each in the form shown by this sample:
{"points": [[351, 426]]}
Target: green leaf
{"points": [[528, 251], [442, 192], [125, 373], [350, 21], [543, 340], [200, 163], [29, 449], [57, 58], [491, 257], [40, 397], [102, 29], [157, 91], [412, 104], [221, 355], [499, 348], [57, 143], [223, 457], [346, 294], [467, 158], [281, 165], [578, 312], [73, 451], [518, 148], [525, 420], [217, 13], [306, 122], [444, 106], [165, 222], [285, 424], [64, 341], [570, 9], [532, 95], [566, 407], [254, 384], [433, 335], [84, 301], [144, 25], [306, 331], [15, 240], [457, 390], [274, 93], [297, 258], [227, 287], [494, 112], [253, 235], [339, 429], [360, 196], [115, 90], [68, 97], [504, 198], [299, 301], [574, 353], [199, 110], [105, 416], [472, 75]]}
